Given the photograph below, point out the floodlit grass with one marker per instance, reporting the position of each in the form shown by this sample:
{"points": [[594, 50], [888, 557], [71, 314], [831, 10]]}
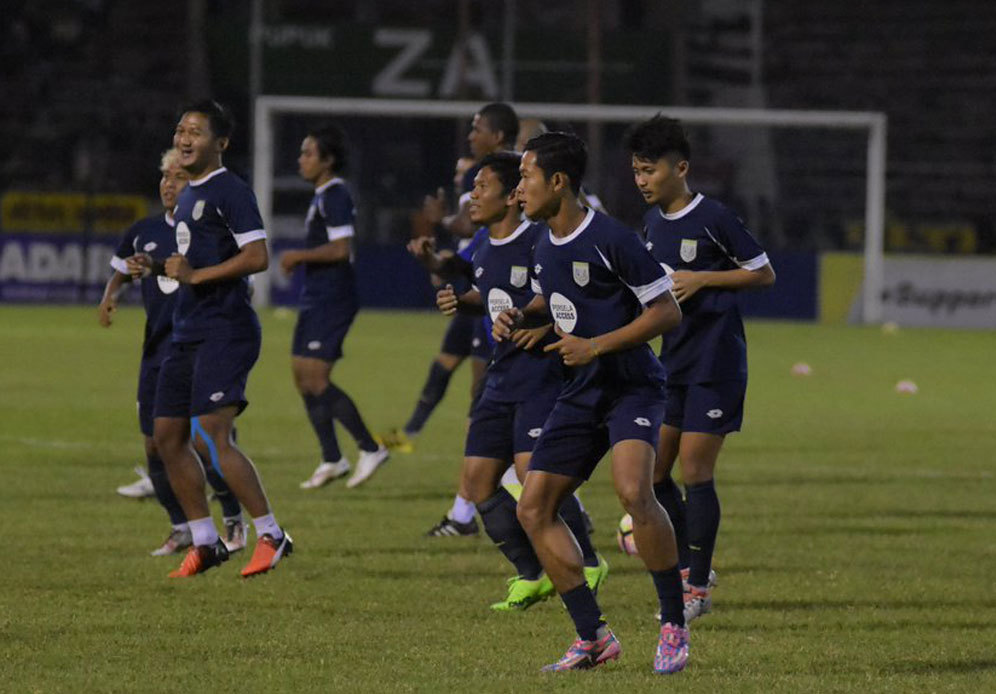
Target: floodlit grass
{"points": [[857, 550]]}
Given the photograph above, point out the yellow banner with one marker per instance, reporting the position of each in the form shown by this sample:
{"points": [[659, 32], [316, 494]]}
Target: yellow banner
{"points": [[68, 212]]}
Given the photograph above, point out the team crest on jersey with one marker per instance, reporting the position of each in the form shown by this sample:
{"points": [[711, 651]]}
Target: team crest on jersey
{"points": [[689, 249], [149, 247], [518, 276], [198, 210], [581, 274], [182, 238]]}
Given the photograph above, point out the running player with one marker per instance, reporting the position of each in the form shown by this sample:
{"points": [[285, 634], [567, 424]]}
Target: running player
{"points": [[607, 297], [216, 340], [155, 236], [709, 255], [328, 307], [520, 386]]}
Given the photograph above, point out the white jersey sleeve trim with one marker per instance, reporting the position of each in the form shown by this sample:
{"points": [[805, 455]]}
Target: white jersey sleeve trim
{"points": [[649, 292], [537, 289], [119, 264], [755, 263], [340, 232], [249, 236]]}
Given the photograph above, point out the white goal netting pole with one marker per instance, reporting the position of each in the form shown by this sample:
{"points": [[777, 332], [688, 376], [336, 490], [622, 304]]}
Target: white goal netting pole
{"points": [[874, 123]]}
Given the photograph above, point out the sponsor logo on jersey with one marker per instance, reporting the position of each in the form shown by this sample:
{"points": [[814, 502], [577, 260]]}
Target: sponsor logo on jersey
{"points": [[315, 344], [182, 238], [198, 210], [689, 249], [564, 313], [167, 285], [534, 433], [150, 246], [581, 274], [498, 301], [215, 397], [642, 421], [518, 276], [714, 414]]}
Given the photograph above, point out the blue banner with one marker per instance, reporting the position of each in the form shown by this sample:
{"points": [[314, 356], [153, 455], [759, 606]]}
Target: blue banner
{"points": [[54, 268]]}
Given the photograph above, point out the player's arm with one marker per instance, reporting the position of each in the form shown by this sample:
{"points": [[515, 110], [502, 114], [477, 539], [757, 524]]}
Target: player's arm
{"points": [[109, 301], [327, 254], [534, 314], [687, 283], [450, 303], [250, 259], [444, 263]]}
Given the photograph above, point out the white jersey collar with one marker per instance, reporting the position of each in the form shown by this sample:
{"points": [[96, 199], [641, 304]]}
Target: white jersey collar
{"points": [[574, 234], [699, 197], [328, 184], [511, 237], [205, 179]]}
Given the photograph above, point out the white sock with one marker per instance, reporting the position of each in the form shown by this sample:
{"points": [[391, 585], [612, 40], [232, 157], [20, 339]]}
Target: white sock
{"points": [[462, 511], [229, 519], [182, 527], [267, 525], [510, 477], [203, 531]]}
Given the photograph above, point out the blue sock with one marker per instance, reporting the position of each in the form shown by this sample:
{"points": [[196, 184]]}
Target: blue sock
{"points": [[668, 495], [432, 392], [570, 511], [670, 594], [703, 526], [503, 527], [344, 409], [320, 415], [584, 610], [164, 492]]}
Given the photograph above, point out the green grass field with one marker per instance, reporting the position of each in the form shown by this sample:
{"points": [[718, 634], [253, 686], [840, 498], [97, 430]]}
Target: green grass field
{"points": [[857, 550]]}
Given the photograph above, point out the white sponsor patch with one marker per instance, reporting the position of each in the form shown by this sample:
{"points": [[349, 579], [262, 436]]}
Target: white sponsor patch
{"points": [[714, 414], [498, 301], [689, 249], [167, 285], [565, 314], [478, 272], [215, 397], [518, 276], [642, 421], [581, 274], [314, 344], [150, 246], [198, 210], [182, 238], [534, 433]]}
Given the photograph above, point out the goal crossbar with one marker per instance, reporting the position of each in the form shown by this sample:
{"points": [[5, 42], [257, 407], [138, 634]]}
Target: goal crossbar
{"points": [[873, 123]]}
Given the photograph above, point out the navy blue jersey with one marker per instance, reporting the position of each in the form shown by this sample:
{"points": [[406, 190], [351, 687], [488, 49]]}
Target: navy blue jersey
{"points": [[501, 275], [709, 345], [330, 218], [215, 217], [156, 236], [597, 280]]}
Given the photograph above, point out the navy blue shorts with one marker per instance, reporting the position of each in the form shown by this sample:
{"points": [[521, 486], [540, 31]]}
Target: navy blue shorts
{"points": [[480, 345], [148, 378], [706, 408], [576, 437], [200, 377], [320, 332], [500, 430], [459, 337]]}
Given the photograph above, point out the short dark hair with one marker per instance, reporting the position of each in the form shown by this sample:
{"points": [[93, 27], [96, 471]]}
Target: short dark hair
{"points": [[331, 141], [657, 138], [560, 151], [505, 166], [502, 117], [220, 118]]}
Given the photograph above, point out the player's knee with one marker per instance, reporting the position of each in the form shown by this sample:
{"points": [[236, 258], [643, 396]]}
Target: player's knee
{"points": [[636, 499], [448, 361]]}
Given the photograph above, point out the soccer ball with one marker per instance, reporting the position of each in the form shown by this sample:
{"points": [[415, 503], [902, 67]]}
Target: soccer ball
{"points": [[624, 536]]}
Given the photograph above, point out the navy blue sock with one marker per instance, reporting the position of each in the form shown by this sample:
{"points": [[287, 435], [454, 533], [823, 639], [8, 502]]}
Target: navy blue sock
{"points": [[703, 525], [344, 409], [229, 504], [504, 529], [587, 616], [432, 392], [669, 496], [670, 593], [570, 511], [164, 492], [322, 422]]}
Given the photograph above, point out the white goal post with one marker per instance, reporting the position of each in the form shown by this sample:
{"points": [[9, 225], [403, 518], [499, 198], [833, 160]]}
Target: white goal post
{"points": [[874, 123]]}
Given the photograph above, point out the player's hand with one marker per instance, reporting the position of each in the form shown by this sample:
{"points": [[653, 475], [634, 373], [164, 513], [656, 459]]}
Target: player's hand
{"points": [[434, 206], [446, 300], [686, 283], [505, 323], [423, 248], [288, 261], [106, 309], [573, 350], [527, 338], [139, 265], [178, 268]]}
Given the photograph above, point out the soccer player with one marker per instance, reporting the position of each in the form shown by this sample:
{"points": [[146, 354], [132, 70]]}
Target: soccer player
{"points": [[709, 255], [216, 340], [607, 297], [493, 128], [328, 307], [156, 238], [520, 386]]}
